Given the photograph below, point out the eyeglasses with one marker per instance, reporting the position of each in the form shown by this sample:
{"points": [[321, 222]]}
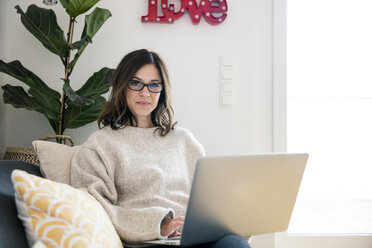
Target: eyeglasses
{"points": [[50, 2], [138, 86]]}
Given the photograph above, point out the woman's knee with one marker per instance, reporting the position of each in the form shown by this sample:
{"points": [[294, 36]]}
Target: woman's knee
{"points": [[231, 240]]}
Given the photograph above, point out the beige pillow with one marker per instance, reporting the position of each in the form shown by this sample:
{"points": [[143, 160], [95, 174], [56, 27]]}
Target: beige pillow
{"points": [[55, 160], [60, 216]]}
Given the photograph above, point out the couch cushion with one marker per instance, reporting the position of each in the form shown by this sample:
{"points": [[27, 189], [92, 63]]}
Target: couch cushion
{"points": [[12, 232], [55, 160], [59, 215]]}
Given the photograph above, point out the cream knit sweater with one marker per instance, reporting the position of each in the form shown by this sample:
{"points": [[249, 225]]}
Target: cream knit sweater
{"points": [[138, 176]]}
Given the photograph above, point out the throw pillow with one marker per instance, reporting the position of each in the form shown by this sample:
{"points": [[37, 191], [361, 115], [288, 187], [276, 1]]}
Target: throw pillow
{"points": [[58, 215], [55, 160]]}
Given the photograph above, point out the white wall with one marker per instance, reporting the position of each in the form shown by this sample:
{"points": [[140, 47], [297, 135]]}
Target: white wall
{"points": [[192, 54]]}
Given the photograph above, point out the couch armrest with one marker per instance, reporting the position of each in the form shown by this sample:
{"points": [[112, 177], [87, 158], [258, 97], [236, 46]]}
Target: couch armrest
{"points": [[12, 232]]}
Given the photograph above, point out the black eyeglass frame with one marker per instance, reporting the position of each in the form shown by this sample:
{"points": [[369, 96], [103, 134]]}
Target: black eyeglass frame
{"points": [[145, 85]]}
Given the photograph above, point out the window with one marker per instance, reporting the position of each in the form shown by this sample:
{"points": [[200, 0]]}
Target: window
{"points": [[329, 113]]}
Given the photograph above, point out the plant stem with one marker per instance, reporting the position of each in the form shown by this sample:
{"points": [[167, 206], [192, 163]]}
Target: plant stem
{"points": [[70, 33]]}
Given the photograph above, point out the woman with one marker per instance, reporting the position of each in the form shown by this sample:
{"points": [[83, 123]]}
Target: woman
{"points": [[139, 166]]}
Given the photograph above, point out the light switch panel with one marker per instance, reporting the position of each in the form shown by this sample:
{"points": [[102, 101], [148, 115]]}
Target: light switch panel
{"points": [[227, 88]]}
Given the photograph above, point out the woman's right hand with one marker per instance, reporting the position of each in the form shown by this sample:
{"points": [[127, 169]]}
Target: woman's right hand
{"points": [[170, 227]]}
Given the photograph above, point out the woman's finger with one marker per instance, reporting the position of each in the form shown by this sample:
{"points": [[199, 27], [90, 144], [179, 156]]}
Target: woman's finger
{"points": [[174, 225], [175, 234], [182, 218]]}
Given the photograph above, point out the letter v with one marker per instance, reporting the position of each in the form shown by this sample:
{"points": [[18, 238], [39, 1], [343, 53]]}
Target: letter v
{"points": [[195, 11]]}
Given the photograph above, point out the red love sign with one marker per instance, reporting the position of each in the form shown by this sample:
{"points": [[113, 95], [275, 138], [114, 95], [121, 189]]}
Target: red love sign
{"points": [[214, 11]]}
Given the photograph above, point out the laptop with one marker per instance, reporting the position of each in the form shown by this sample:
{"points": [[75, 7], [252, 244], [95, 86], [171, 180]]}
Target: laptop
{"points": [[244, 195]]}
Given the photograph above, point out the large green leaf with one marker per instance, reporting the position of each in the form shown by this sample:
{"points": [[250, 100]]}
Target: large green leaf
{"points": [[96, 85], [93, 22], [76, 116], [51, 107], [18, 98], [54, 125], [99, 83], [73, 97], [43, 99], [82, 42], [77, 7], [38, 89], [42, 23]]}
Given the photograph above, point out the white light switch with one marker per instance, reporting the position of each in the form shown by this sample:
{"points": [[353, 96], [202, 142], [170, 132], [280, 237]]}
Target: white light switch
{"points": [[228, 100], [227, 74], [227, 87], [227, 61]]}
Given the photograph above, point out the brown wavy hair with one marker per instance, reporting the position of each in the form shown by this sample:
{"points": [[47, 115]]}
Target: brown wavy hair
{"points": [[116, 113]]}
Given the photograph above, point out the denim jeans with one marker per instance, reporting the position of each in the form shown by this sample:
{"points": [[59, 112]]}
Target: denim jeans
{"points": [[228, 241]]}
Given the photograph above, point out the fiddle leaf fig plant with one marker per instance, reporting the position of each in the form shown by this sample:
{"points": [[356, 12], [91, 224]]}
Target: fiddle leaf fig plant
{"points": [[70, 108]]}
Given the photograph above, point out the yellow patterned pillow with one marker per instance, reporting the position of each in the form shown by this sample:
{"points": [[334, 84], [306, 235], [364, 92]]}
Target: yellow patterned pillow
{"points": [[58, 215]]}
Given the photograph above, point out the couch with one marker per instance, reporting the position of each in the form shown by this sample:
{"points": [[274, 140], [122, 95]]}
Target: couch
{"points": [[12, 233]]}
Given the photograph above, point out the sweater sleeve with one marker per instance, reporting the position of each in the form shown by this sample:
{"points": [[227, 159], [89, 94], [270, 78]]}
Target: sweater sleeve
{"points": [[195, 150], [132, 224]]}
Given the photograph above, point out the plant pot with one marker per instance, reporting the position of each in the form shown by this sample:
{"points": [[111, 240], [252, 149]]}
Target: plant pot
{"points": [[29, 154]]}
